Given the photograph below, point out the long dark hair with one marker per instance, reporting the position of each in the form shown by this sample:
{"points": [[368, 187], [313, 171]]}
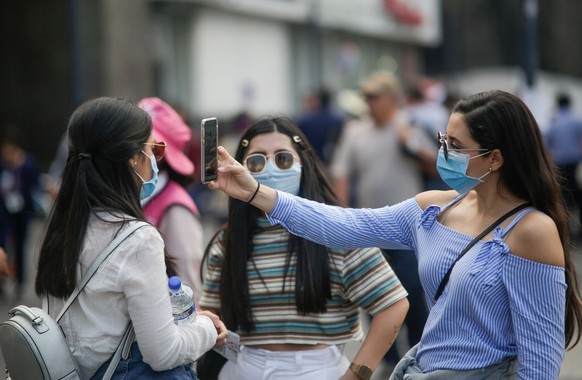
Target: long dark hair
{"points": [[103, 135], [497, 119], [312, 281]]}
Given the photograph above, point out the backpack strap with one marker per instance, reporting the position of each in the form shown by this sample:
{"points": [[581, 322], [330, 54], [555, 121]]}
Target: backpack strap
{"points": [[122, 351], [128, 335], [134, 226]]}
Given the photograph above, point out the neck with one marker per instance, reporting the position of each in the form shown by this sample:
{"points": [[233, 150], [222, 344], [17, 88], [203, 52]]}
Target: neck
{"points": [[384, 119], [493, 198]]}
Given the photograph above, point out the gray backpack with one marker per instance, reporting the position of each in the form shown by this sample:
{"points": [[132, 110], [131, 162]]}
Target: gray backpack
{"points": [[33, 344]]}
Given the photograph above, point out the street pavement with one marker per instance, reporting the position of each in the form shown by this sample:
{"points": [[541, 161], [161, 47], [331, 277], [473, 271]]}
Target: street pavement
{"points": [[571, 368]]}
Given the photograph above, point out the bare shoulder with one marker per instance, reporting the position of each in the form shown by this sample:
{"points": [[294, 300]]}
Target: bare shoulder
{"points": [[435, 197], [536, 238]]}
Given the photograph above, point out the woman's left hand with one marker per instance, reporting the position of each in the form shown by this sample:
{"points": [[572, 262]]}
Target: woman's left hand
{"points": [[221, 329]]}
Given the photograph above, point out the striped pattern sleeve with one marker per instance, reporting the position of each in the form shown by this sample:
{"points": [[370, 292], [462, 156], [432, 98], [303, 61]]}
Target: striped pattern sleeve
{"points": [[389, 227], [537, 294], [369, 281], [211, 288]]}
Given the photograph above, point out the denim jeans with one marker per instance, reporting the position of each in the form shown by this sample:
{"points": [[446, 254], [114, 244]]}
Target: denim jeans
{"points": [[408, 369], [134, 368]]}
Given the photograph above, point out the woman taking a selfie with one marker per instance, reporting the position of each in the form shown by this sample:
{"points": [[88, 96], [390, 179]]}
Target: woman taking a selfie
{"points": [[111, 165], [510, 305]]}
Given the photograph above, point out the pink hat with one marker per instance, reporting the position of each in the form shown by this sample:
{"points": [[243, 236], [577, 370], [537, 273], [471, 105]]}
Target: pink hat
{"points": [[169, 126]]}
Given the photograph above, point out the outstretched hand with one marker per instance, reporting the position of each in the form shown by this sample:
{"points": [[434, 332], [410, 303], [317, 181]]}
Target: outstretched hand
{"points": [[233, 178], [236, 181]]}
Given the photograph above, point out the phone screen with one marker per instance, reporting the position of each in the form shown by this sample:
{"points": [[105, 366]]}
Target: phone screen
{"points": [[209, 149]]}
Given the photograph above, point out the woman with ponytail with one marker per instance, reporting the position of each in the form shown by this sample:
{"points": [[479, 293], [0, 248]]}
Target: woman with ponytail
{"points": [[111, 165]]}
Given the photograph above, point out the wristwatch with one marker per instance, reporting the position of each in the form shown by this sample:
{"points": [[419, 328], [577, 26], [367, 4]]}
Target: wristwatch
{"points": [[362, 371]]}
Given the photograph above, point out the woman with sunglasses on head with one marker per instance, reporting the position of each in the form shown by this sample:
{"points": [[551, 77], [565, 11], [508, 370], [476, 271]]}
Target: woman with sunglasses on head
{"points": [[291, 300], [510, 305], [110, 167]]}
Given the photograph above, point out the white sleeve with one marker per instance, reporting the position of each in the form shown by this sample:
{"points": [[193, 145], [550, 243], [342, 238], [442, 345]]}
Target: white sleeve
{"points": [[143, 279], [182, 233]]}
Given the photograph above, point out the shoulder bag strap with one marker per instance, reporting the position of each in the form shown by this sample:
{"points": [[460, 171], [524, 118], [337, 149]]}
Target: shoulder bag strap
{"points": [[445, 279]]}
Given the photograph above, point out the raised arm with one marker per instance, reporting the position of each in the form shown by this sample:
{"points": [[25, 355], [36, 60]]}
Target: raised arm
{"points": [[388, 227], [237, 182]]}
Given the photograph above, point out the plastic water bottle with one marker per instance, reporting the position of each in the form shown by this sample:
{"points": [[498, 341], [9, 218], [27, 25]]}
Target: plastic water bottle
{"points": [[182, 300]]}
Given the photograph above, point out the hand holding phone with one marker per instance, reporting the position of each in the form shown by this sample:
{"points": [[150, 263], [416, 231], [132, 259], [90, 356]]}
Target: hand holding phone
{"points": [[209, 149]]}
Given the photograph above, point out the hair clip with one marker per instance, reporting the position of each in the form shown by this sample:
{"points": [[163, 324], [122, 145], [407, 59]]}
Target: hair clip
{"points": [[244, 143], [297, 139], [85, 156]]}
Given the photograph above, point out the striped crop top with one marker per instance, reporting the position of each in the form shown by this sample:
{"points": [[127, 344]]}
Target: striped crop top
{"points": [[359, 278]]}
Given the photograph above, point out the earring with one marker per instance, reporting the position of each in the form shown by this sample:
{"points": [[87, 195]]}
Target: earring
{"points": [[134, 164]]}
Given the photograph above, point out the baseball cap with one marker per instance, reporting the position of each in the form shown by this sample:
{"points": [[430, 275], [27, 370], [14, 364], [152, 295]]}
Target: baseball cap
{"points": [[169, 126], [380, 83]]}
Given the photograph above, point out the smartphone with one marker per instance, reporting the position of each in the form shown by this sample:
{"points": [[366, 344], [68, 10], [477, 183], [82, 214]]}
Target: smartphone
{"points": [[209, 149]]}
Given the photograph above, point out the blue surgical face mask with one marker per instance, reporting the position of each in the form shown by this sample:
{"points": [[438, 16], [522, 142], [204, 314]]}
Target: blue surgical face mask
{"points": [[148, 187], [287, 180], [454, 171]]}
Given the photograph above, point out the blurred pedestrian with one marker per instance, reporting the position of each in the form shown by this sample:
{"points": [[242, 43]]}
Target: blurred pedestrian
{"points": [[381, 158], [511, 304], [293, 301], [19, 183], [431, 116], [4, 268], [110, 167], [170, 208], [321, 125], [431, 113], [564, 140], [55, 172]]}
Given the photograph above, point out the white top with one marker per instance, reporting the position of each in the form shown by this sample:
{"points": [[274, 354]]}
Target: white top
{"points": [[131, 283]]}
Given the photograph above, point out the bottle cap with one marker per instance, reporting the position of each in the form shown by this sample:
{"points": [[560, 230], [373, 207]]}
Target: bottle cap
{"points": [[174, 283]]}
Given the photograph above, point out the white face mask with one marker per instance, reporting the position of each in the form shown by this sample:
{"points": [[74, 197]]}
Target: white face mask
{"points": [[287, 180]]}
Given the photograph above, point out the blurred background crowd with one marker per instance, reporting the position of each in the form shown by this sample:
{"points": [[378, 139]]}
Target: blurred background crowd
{"points": [[330, 65]]}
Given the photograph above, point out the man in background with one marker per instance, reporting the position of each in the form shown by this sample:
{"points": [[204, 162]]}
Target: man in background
{"points": [[383, 159]]}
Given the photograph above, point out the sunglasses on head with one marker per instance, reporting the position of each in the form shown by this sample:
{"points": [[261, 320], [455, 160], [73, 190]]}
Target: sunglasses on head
{"points": [[257, 162], [444, 145], [158, 149]]}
